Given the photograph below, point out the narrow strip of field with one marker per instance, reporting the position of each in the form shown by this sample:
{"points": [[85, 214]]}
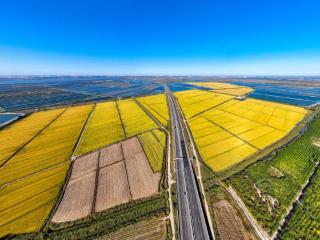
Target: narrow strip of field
{"points": [[154, 148], [225, 88]]}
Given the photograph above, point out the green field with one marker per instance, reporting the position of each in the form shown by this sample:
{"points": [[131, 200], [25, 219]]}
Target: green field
{"points": [[304, 223], [269, 187]]}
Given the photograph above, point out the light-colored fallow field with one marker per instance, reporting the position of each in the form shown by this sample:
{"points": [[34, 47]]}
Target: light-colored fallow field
{"points": [[229, 223], [110, 155], [85, 164], [77, 199], [124, 174], [113, 188], [143, 182]]}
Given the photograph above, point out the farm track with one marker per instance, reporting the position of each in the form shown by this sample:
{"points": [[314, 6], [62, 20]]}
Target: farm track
{"points": [[82, 133], [259, 231]]}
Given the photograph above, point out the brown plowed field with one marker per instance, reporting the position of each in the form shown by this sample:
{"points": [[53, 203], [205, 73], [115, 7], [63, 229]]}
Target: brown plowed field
{"points": [[124, 174], [113, 188], [230, 226], [77, 199], [143, 182], [85, 164], [111, 155]]}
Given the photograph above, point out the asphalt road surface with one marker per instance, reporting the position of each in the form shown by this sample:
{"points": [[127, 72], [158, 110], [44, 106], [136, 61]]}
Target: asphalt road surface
{"points": [[192, 224]]}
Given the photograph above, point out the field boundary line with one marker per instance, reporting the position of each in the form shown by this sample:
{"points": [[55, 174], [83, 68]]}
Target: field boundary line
{"points": [[33, 173], [93, 206], [231, 133], [158, 140], [12, 220], [116, 142], [35, 136], [59, 196], [122, 124], [148, 113], [75, 148], [256, 121], [33, 196], [144, 152], [219, 104], [125, 166], [259, 231], [153, 109]]}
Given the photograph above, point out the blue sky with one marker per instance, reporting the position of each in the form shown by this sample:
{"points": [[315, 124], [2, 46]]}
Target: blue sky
{"points": [[160, 37]]}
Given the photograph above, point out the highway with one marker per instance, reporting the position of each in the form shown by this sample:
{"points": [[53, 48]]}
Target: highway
{"points": [[192, 224]]}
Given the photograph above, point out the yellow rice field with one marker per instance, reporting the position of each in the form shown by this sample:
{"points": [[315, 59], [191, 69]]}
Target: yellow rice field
{"points": [[153, 143], [231, 132], [30, 181], [234, 91], [194, 102], [103, 128], [134, 119], [157, 106], [16, 135], [225, 88]]}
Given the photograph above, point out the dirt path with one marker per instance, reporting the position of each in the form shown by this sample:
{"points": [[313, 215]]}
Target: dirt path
{"points": [[259, 231], [170, 181]]}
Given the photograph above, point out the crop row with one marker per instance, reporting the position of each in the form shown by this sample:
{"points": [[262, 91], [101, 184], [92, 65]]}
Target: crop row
{"points": [[225, 88], [217, 85], [234, 130], [154, 148], [194, 102], [113, 121], [157, 106], [18, 134], [269, 187], [31, 180], [304, 222], [103, 128], [279, 116], [134, 119]]}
